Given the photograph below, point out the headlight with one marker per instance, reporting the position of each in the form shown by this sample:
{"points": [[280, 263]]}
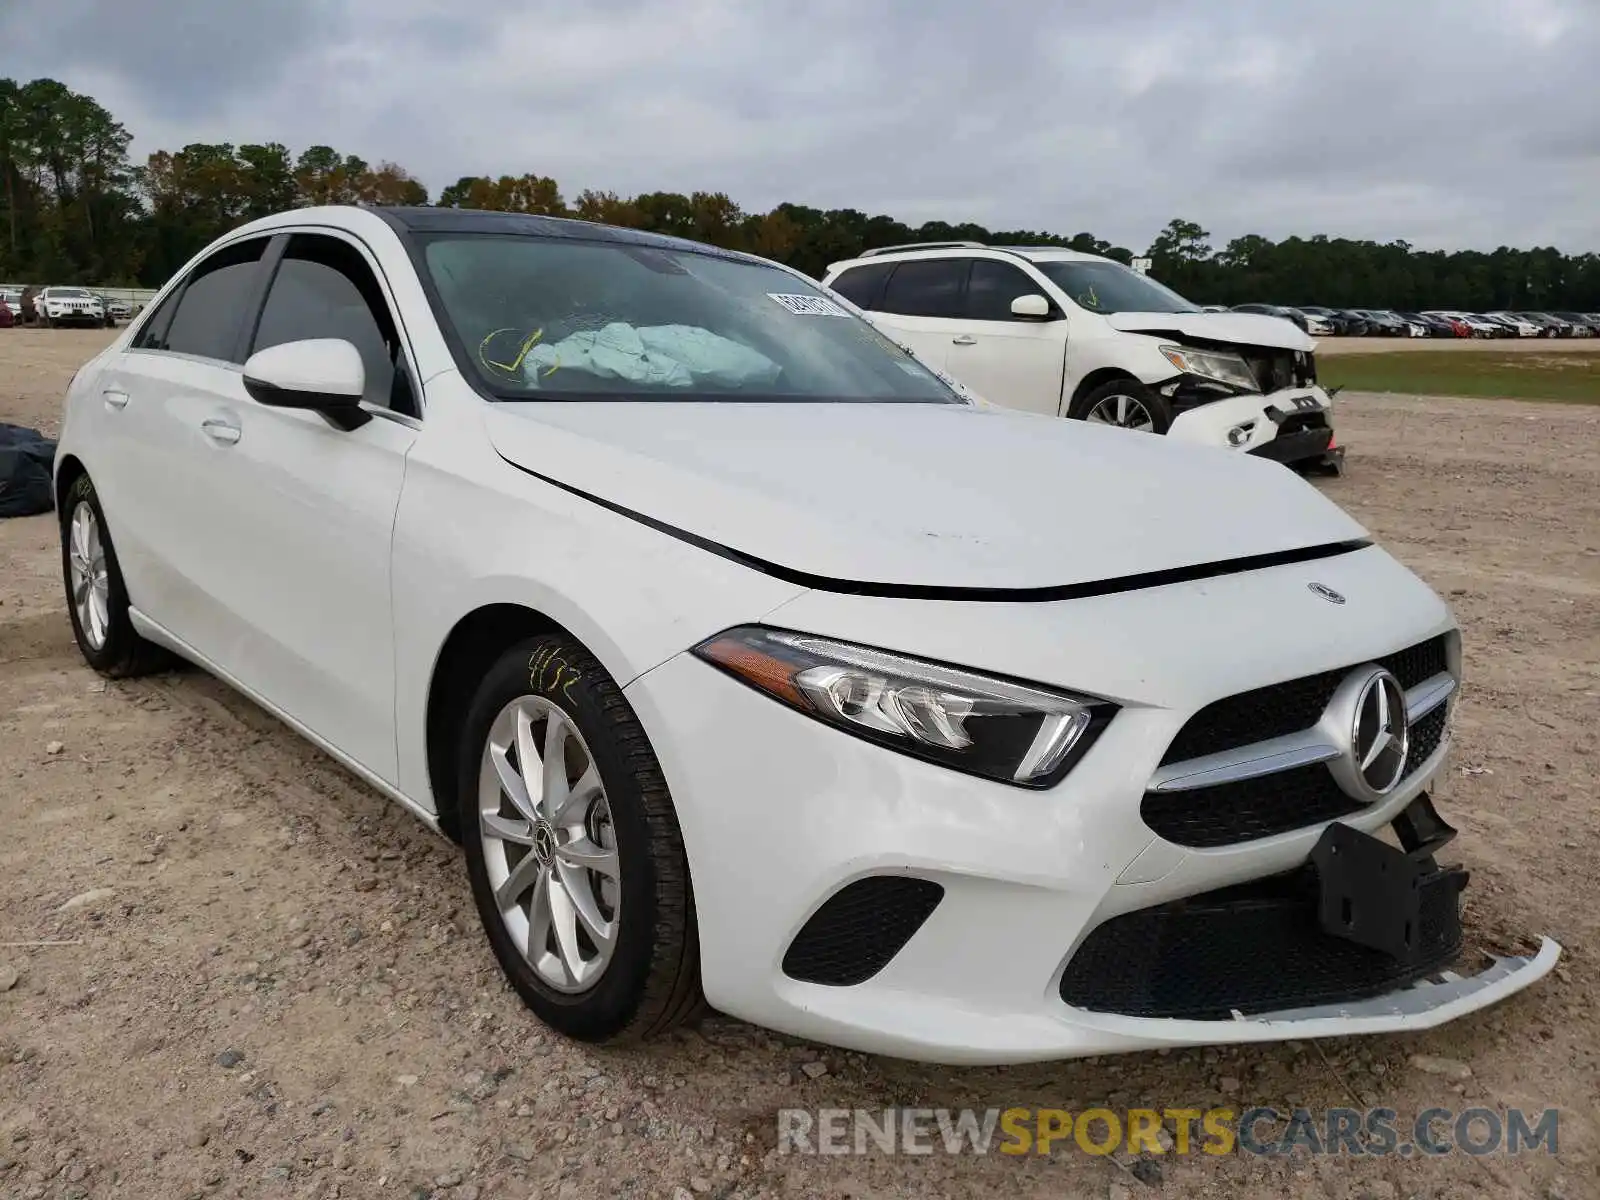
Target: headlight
{"points": [[1212, 364], [1013, 732]]}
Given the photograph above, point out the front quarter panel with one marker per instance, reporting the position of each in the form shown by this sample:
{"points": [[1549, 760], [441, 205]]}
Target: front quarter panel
{"points": [[472, 531]]}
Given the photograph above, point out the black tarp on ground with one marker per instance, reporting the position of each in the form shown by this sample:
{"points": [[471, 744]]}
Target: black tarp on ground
{"points": [[26, 456]]}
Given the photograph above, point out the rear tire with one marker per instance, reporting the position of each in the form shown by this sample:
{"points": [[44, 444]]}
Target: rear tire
{"points": [[624, 965], [97, 597], [1124, 403]]}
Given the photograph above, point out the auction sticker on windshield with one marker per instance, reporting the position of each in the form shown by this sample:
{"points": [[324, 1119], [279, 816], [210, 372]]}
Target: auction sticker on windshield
{"points": [[808, 306]]}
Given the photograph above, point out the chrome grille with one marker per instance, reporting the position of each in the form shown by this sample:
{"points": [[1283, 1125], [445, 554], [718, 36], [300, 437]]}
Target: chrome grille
{"points": [[1273, 797]]}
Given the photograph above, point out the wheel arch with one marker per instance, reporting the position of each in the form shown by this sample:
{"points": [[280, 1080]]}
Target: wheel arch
{"points": [[470, 648], [1095, 379], [67, 472]]}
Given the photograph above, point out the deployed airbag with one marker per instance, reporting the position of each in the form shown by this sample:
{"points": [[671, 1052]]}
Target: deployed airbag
{"points": [[680, 356]]}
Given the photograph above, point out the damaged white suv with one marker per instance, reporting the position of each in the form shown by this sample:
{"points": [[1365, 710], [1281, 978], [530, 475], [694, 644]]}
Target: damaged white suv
{"points": [[1059, 332], [748, 661]]}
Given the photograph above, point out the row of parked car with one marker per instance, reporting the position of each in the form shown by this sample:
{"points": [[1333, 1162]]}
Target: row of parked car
{"points": [[1378, 322], [50, 306]]}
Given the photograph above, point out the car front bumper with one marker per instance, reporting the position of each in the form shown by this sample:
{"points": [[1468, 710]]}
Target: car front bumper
{"points": [[1300, 446], [75, 316], [780, 813], [1293, 426]]}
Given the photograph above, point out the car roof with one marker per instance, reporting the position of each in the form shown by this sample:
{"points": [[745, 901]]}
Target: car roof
{"points": [[912, 250], [1054, 254], [355, 218], [426, 219]]}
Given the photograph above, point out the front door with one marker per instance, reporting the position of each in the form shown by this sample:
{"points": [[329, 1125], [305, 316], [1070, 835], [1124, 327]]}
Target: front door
{"points": [[1012, 361], [300, 514]]}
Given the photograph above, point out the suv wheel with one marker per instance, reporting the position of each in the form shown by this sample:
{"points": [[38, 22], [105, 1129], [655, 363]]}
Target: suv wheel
{"points": [[573, 848], [1125, 403]]}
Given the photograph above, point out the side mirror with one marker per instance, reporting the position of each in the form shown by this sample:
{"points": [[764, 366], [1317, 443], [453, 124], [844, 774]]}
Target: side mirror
{"points": [[324, 375], [1032, 305]]}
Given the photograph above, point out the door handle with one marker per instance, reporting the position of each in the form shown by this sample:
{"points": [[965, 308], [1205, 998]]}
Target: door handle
{"points": [[965, 339], [115, 398], [219, 430]]}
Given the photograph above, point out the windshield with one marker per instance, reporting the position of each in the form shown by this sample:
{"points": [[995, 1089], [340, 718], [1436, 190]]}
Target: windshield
{"points": [[69, 294], [559, 318], [1109, 287]]}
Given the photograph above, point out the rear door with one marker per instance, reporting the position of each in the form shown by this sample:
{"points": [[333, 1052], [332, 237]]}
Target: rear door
{"points": [[151, 440], [1017, 362], [922, 306]]}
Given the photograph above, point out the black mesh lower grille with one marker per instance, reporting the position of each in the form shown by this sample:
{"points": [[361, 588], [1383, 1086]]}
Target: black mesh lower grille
{"points": [[1251, 949], [860, 928], [1250, 809], [1287, 707]]}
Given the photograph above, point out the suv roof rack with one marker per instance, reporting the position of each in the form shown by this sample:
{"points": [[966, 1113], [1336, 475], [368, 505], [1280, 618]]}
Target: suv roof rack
{"points": [[926, 246]]}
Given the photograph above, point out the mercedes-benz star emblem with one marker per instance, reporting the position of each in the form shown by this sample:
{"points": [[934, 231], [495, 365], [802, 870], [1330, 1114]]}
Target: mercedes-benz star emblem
{"points": [[1326, 592], [1382, 735], [1367, 720], [544, 842]]}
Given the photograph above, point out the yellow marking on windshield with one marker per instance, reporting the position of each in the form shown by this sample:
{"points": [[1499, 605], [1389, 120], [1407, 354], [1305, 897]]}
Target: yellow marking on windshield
{"points": [[516, 364]]}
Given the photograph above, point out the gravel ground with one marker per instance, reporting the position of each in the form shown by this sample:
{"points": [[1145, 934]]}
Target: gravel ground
{"points": [[270, 982]]}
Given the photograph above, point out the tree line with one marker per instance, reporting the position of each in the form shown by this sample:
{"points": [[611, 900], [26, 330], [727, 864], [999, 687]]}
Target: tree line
{"points": [[74, 208]]}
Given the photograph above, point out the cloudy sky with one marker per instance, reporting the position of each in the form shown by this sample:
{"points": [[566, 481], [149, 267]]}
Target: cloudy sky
{"points": [[1449, 123]]}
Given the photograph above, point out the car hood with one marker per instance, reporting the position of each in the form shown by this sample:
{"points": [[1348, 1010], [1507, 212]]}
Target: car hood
{"points": [[1240, 329], [920, 496]]}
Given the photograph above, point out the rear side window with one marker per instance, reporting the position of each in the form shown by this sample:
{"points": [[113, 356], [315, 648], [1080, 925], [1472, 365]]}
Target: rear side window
{"points": [[211, 312], [926, 288], [155, 325], [863, 285], [324, 288], [993, 286]]}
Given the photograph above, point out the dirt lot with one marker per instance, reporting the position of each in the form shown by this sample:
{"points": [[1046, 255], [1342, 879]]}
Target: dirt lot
{"points": [[270, 982]]}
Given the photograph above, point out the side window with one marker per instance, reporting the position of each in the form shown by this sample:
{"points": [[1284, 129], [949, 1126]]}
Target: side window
{"points": [[155, 326], [993, 286], [325, 289], [863, 285], [211, 312], [925, 288]]}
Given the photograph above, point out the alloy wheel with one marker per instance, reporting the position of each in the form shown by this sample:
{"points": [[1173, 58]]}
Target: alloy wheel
{"points": [[549, 844], [91, 585], [1124, 411]]}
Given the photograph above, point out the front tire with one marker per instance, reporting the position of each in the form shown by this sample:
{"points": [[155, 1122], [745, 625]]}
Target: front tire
{"points": [[573, 848], [97, 597], [1125, 403]]}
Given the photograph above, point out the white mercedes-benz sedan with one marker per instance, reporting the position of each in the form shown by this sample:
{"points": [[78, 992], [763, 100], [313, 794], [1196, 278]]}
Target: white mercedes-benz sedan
{"points": [[754, 666]]}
